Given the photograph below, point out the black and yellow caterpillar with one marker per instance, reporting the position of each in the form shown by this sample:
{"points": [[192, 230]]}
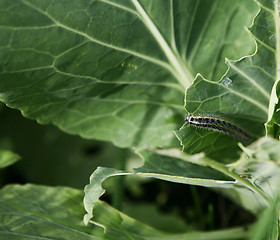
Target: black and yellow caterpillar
{"points": [[217, 124]]}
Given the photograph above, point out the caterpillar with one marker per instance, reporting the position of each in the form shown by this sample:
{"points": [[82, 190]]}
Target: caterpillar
{"points": [[217, 124]]}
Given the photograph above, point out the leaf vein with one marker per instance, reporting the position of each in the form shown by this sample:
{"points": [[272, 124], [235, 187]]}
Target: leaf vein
{"points": [[243, 74], [131, 52]]}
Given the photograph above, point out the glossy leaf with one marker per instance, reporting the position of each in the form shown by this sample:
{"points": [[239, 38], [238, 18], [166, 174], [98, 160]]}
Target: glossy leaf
{"points": [[115, 70], [169, 166], [245, 95], [39, 212]]}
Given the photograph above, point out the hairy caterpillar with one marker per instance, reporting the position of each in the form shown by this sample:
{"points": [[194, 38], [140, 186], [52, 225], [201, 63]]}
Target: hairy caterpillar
{"points": [[217, 124]]}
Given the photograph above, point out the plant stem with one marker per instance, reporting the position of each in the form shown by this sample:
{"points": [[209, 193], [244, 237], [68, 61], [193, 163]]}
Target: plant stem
{"points": [[221, 168]]}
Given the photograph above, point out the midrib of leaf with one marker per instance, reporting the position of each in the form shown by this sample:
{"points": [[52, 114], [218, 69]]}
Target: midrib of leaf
{"points": [[184, 76], [204, 161], [119, 6]]}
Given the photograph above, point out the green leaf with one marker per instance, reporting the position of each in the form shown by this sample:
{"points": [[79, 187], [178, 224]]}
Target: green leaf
{"points": [[251, 182], [214, 145], [38, 212], [172, 166], [112, 70], [244, 95], [267, 226], [260, 166], [273, 126], [253, 187], [7, 158], [257, 173], [259, 170], [119, 226]]}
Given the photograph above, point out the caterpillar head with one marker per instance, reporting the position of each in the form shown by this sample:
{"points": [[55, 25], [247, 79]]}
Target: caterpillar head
{"points": [[187, 118]]}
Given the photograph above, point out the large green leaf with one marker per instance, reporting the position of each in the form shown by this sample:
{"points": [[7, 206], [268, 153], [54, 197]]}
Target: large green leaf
{"points": [[244, 95], [115, 70], [171, 165], [39, 212]]}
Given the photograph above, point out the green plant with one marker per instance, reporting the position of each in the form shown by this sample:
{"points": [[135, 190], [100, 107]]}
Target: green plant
{"points": [[127, 72]]}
